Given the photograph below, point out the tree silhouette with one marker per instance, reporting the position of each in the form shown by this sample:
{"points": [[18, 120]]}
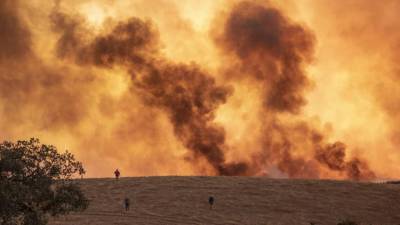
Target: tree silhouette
{"points": [[36, 182]]}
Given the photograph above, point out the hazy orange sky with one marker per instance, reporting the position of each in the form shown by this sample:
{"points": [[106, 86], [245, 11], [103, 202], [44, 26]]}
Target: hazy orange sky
{"points": [[305, 88]]}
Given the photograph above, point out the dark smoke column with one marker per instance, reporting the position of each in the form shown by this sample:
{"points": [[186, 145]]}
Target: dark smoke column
{"points": [[272, 50], [186, 93], [190, 97]]}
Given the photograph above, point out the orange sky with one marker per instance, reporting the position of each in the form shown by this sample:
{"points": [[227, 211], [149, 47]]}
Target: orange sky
{"points": [[109, 116]]}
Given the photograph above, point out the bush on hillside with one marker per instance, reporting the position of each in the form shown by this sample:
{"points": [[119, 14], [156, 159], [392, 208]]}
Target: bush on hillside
{"points": [[36, 182]]}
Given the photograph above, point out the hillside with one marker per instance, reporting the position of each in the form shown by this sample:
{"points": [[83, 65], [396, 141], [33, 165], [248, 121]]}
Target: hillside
{"points": [[238, 200]]}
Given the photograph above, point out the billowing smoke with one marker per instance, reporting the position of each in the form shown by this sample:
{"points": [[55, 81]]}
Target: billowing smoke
{"points": [[186, 93], [271, 49], [131, 42], [274, 51], [29, 89], [15, 38], [110, 86]]}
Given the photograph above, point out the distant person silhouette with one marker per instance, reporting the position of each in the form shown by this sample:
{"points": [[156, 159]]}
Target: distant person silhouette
{"points": [[127, 204], [117, 174], [211, 201]]}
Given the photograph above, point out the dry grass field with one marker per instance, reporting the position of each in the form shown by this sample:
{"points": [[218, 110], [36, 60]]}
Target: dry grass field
{"points": [[238, 200]]}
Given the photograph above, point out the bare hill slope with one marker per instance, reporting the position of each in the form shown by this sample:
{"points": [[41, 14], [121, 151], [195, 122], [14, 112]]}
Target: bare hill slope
{"points": [[238, 200]]}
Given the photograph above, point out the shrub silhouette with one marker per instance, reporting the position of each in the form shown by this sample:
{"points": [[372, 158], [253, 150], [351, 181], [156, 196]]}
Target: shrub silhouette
{"points": [[36, 182]]}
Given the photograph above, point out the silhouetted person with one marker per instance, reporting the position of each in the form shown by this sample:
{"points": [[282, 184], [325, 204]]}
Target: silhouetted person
{"points": [[211, 201], [117, 174], [127, 204]]}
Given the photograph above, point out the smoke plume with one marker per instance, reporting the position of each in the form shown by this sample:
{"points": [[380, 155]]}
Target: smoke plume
{"points": [[205, 88], [274, 51], [186, 93], [15, 39], [271, 49]]}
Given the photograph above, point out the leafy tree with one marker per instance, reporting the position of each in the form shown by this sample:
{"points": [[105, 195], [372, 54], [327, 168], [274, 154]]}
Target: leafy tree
{"points": [[36, 182]]}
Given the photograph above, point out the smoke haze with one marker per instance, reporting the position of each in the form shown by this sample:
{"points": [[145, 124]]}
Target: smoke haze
{"points": [[211, 88]]}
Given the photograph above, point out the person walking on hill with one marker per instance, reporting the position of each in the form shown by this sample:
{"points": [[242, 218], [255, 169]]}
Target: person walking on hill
{"points": [[211, 201], [117, 174], [127, 204]]}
